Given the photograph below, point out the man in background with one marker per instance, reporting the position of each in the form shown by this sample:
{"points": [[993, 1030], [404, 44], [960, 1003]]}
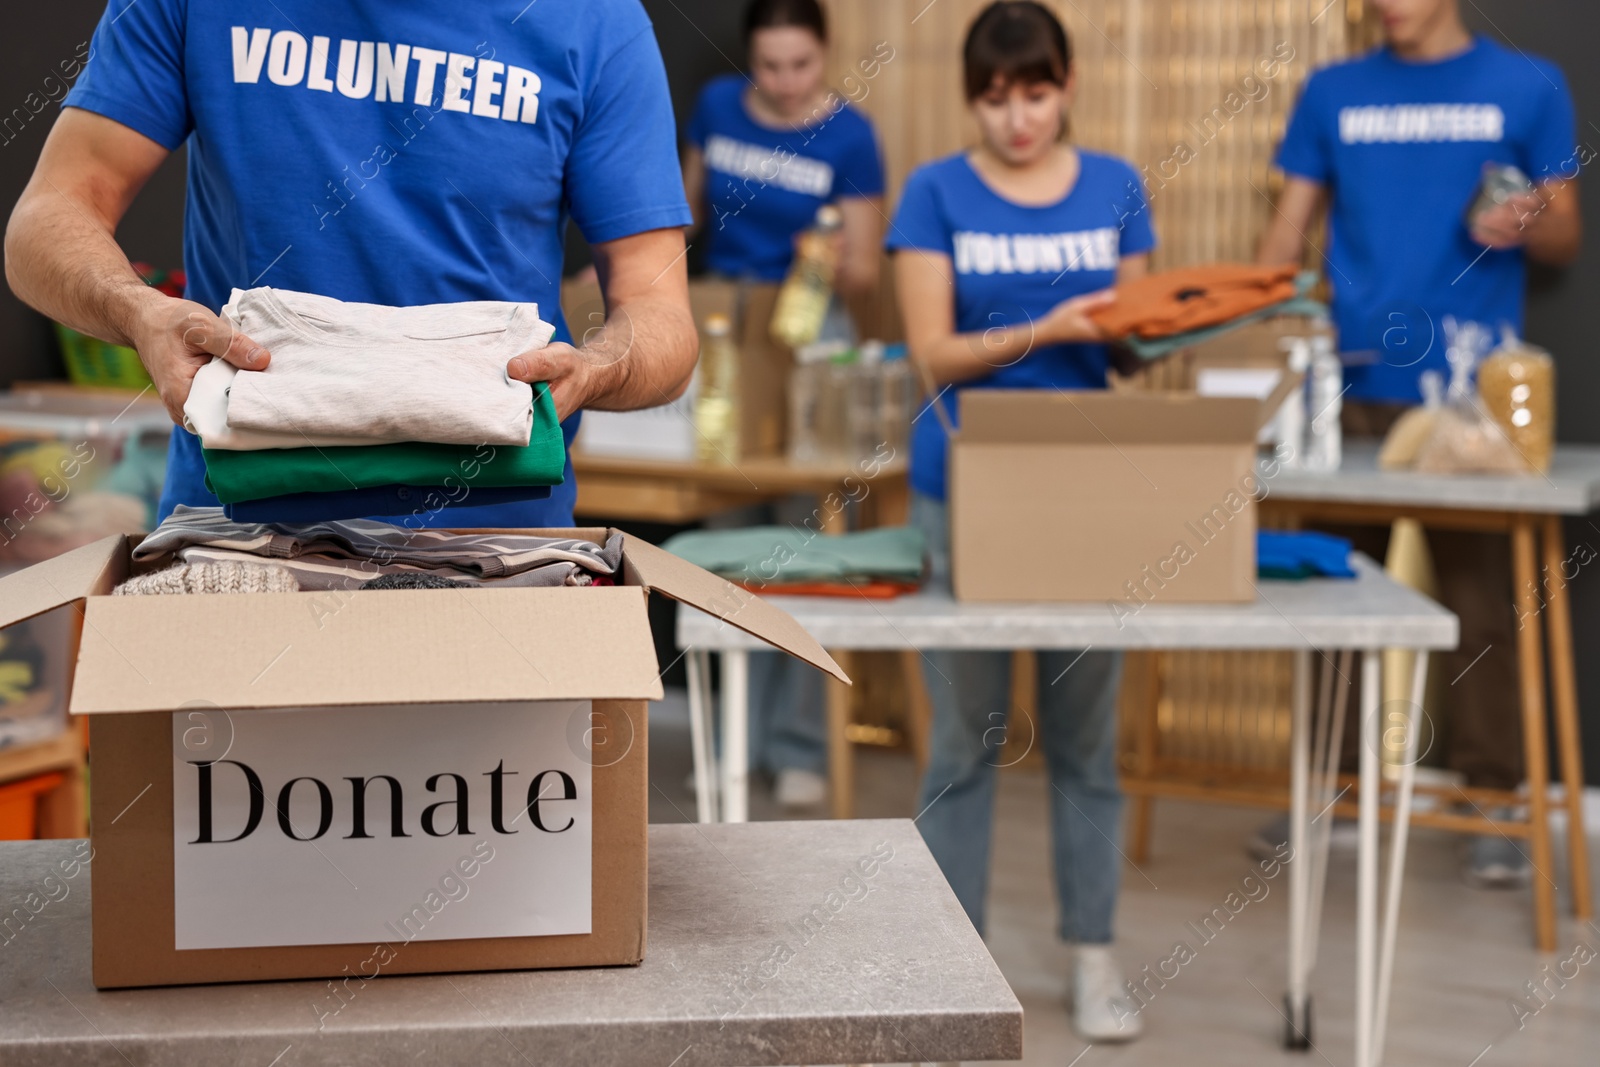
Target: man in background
{"points": [[1392, 145]]}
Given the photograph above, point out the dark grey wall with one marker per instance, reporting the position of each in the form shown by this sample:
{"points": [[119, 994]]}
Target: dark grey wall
{"points": [[700, 38], [1561, 304], [37, 39]]}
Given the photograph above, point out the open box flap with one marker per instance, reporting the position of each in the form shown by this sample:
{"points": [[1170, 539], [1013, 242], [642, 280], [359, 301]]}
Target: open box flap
{"points": [[1098, 417], [74, 575], [681, 580], [392, 646]]}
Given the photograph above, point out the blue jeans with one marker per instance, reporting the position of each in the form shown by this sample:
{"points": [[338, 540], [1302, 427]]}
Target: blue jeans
{"points": [[788, 725], [1077, 732]]}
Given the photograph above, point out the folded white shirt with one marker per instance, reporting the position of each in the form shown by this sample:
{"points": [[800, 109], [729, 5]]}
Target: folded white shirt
{"points": [[348, 373], [205, 414]]}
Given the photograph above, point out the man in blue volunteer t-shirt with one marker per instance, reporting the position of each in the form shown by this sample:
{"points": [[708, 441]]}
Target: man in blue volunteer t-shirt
{"points": [[1394, 144], [385, 153]]}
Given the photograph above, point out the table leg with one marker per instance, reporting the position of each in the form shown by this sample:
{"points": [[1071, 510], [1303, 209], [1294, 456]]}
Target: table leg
{"points": [[1298, 1035], [736, 736], [1325, 778], [1367, 859], [705, 800], [919, 713], [1397, 849], [1564, 683], [841, 756], [1530, 672]]}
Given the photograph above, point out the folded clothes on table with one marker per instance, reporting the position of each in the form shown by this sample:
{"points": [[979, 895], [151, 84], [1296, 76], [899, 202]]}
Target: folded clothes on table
{"points": [[867, 588], [762, 557], [194, 533], [396, 500], [1296, 554], [237, 475]]}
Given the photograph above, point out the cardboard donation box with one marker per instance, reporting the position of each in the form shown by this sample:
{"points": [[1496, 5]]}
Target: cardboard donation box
{"points": [[667, 432], [349, 784], [1126, 498]]}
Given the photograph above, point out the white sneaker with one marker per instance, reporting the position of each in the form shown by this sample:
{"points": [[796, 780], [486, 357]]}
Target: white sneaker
{"points": [[796, 788], [1101, 1010]]}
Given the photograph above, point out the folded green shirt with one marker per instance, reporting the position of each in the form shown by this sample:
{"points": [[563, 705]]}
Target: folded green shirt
{"points": [[787, 554], [236, 476]]}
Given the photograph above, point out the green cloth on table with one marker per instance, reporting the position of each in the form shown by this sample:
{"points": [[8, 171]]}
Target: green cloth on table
{"points": [[1299, 304], [788, 554], [236, 476]]}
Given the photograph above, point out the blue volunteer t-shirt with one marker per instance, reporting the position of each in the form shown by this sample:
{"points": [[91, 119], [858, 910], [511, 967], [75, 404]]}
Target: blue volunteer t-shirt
{"points": [[1401, 147], [1013, 263], [395, 154], [764, 185]]}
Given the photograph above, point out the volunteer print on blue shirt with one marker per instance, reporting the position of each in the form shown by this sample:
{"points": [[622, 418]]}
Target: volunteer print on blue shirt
{"points": [[395, 154], [764, 185], [1401, 148], [1013, 263]]}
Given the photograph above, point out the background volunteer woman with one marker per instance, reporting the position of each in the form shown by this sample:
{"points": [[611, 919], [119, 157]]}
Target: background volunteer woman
{"points": [[1001, 251], [765, 152], [767, 149]]}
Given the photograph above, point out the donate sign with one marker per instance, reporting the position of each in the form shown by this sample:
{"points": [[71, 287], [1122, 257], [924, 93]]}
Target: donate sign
{"points": [[375, 824]]}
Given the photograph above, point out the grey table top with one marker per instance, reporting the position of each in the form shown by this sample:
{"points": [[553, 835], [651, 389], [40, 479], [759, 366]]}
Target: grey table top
{"points": [[1369, 611], [1571, 488], [888, 970]]}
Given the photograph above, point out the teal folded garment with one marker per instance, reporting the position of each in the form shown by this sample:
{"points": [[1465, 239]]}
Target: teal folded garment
{"points": [[772, 554], [239, 476], [1299, 304]]}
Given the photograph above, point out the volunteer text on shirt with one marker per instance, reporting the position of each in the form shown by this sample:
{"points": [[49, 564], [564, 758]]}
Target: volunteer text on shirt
{"points": [[381, 70]]}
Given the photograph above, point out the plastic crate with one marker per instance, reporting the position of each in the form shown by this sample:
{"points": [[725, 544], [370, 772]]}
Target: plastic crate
{"points": [[91, 361]]}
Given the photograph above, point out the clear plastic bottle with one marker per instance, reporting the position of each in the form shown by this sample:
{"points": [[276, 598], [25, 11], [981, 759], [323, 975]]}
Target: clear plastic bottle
{"points": [[1291, 418], [1325, 439], [716, 408], [802, 303]]}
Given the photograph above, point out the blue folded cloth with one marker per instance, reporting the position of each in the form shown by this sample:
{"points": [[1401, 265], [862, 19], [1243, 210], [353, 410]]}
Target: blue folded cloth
{"points": [[1296, 554], [379, 500]]}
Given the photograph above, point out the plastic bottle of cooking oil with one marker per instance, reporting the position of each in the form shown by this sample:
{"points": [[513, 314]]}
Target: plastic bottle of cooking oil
{"points": [[803, 301], [716, 408]]}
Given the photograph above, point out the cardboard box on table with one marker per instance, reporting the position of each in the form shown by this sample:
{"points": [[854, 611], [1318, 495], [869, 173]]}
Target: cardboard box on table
{"points": [[667, 432], [1125, 498], [151, 671]]}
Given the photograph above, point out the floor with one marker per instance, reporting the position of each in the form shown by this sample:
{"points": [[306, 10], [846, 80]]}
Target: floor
{"points": [[1465, 955]]}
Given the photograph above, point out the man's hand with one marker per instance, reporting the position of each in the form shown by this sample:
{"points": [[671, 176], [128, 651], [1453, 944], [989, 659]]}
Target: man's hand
{"points": [[576, 375], [644, 353], [175, 338], [1506, 225]]}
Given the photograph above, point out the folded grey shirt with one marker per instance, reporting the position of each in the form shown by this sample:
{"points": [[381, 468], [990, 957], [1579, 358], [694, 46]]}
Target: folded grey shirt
{"points": [[480, 555], [433, 373]]}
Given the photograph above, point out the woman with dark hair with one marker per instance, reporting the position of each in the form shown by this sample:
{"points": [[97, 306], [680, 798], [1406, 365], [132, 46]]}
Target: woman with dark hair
{"points": [[1000, 253], [765, 151]]}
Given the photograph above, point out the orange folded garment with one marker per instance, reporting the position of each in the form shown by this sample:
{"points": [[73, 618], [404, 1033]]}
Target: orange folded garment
{"points": [[1192, 298], [871, 589]]}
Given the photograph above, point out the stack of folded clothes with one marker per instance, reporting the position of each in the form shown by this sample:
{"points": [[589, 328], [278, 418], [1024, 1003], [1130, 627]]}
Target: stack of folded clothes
{"points": [[1300, 554], [364, 407], [1160, 313], [783, 560], [355, 554]]}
